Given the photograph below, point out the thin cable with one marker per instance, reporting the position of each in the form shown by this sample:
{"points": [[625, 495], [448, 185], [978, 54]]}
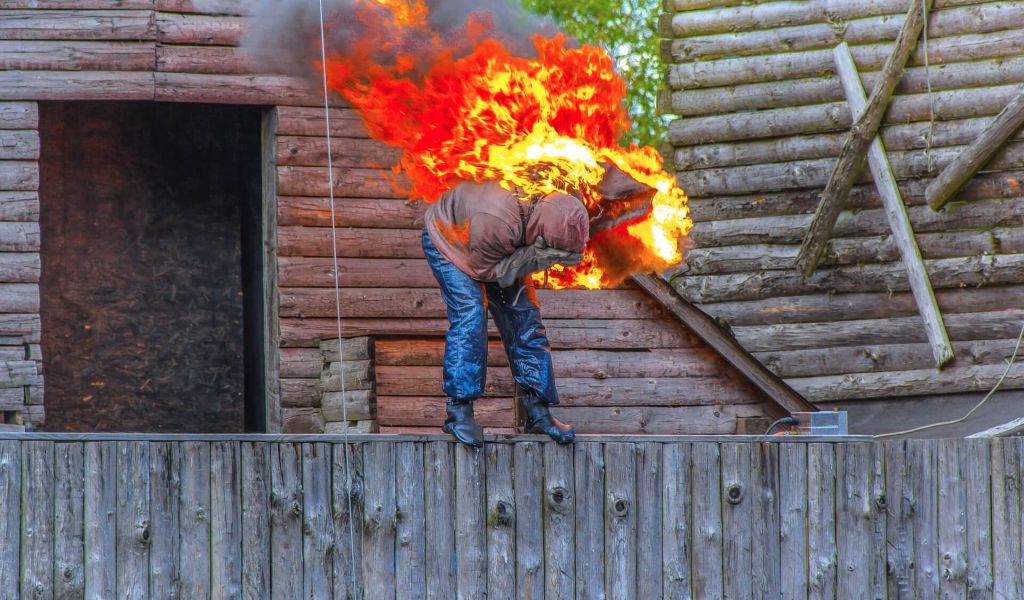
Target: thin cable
{"points": [[1009, 363], [337, 305]]}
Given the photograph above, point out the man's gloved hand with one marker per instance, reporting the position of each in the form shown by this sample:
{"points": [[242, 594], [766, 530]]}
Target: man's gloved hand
{"points": [[530, 259]]}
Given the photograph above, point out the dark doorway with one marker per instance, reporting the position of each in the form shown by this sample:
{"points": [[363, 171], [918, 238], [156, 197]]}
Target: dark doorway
{"points": [[151, 288]]}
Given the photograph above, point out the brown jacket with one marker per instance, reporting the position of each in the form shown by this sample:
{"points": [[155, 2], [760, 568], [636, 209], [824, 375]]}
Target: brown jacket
{"points": [[476, 225]]}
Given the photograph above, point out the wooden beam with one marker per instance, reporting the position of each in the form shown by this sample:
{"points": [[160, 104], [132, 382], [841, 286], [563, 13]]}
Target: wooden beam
{"points": [[715, 336], [1014, 427], [851, 157], [975, 156], [899, 220]]}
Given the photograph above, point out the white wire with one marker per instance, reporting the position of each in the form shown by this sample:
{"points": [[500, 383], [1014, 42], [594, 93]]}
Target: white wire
{"points": [[337, 305]]}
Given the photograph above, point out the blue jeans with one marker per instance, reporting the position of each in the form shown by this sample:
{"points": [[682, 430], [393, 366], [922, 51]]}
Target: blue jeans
{"points": [[517, 317]]}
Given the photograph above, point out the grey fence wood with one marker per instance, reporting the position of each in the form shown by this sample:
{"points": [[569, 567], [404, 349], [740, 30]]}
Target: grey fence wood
{"points": [[618, 518]]}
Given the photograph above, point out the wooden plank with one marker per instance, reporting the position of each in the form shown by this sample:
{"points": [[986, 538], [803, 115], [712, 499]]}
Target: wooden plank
{"points": [[429, 411], [18, 144], [975, 156], [53, 55], [347, 498], [793, 520], [854, 516], [977, 463], [880, 546], [737, 517], [10, 517], [351, 242], [926, 535], [37, 498], [19, 206], [589, 471], [470, 524], [108, 25], [19, 175], [361, 348], [766, 530], [194, 508], [200, 30], [317, 521], [133, 527], [899, 502], [560, 579], [233, 89], [620, 521], [501, 522], [301, 271], [358, 405], [676, 504], [310, 121], [707, 545], [311, 151], [650, 508], [19, 115], [286, 536], [68, 521], [379, 520], [385, 213], [348, 182], [164, 493], [951, 507], [271, 329], [527, 460], [206, 7], [76, 85], [99, 516], [1007, 510], [358, 375], [219, 60], [439, 494], [410, 533], [226, 520], [821, 511]]}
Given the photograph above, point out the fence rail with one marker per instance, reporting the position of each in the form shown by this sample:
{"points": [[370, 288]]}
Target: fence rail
{"points": [[618, 518]]}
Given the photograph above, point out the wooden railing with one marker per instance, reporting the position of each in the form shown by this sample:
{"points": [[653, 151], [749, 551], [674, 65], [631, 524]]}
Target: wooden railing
{"points": [[250, 516]]}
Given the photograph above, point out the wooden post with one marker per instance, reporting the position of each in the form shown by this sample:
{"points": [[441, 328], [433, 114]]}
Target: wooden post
{"points": [[956, 173], [896, 211], [865, 126]]}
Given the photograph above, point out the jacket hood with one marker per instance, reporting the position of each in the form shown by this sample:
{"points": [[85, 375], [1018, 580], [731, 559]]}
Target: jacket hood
{"points": [[563, 222]]}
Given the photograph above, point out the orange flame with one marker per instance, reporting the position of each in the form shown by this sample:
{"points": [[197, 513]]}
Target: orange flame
{"points": [[468, 108]]}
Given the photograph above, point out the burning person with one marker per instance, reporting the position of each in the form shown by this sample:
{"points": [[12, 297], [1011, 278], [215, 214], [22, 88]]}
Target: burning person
{"points": [[483, 242]]}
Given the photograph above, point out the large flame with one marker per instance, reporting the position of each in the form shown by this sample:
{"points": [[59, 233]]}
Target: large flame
{"points": [[465, 107]]}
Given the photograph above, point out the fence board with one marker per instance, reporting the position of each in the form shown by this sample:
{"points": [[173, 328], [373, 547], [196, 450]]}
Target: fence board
{"points": [[347, 498], [317, 522], [765, 524], [164, 491], [100, 531], [899, 496], [620, 511], [952, 504], [528, 467], [926, 555], [676, 507], [650, 506], [854, 518], [133, 532], [68, 521], [737, 516], [589, 472], [379, 521], [793, 519], [821, 533], [977, 471], [501, 523], [559, 523], [10, 517], [470, 526], [37, 519], [255, 482], [409, 529], [439, 494], [707, 521], [1006, 518], [286, 521]]}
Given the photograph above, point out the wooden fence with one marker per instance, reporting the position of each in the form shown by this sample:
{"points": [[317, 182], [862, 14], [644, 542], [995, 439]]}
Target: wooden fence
{"points": [[151, 516]]}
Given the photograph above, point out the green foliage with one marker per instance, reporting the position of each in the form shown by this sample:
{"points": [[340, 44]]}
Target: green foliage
{"points": [[628, 30]]}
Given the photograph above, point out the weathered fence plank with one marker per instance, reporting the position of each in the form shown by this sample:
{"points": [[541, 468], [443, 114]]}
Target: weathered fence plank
{"points": [[952, 505], [100, 527], [1007, 511], [317, 522], [286, 521], [707, 522], [470, 524], [793, 519], [501, 523], [899, 495], [68, 521], [854, 517], [37, 520], [133, 531], [528, 467], [737, 517], [977, 471], [347, 500], [676, 505], [766, 530], [589, 471], [439, 494], [379, 521], [164, 491], [821, 509], [255, 481], [10, 516], [410, 537], [559, 523], [925, 511], [649, 506], [620, 520]]}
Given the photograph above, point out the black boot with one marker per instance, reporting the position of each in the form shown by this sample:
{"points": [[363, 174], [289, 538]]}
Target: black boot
{"points": [[461, 424], [540, 420]]}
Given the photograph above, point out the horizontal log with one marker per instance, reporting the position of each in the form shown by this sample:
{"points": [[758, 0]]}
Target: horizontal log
{"points": [[19, 175], [428, 304], [19, 144], [812, 308], [818, 90], [13, 399], [876, 358], [897, 330], [354, 427], [681, 5], [357, 348], [74, 85], [208, 7], [298, 271], [600, 334], [80, 4], [583, 391], [857, 386], [19, 297], [768, 15], [351, 242], [308, 151], [108, 25], [221, 60], [14, 353], [77, 56], [301, 363], [597, 364], [302, 420], [299, 120], [18, 237], [200, 30], [944, 273], [348, 181], [664, 420], [25, 327], [359, 375], [429, 411], [350, 212], [981, 18], [19, 267], [817, 63], [355, 405], [19, 115], [17, 373], [234, 89], [300, 393], [835, 116]]}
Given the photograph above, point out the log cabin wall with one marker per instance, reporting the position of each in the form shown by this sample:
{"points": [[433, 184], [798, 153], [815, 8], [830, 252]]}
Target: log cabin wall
{"points": [[626, 365], [761, 119]]}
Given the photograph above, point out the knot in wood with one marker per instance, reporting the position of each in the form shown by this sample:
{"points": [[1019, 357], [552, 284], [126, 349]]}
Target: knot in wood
{"points": [[558, 498], [144, 534], [618, 506], [69, 574], [501, 514], [881, 503], [734, 493]]}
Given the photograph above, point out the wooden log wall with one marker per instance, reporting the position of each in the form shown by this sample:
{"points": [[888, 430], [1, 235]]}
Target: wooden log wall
{"points": [[762, 119], [612, 517]]}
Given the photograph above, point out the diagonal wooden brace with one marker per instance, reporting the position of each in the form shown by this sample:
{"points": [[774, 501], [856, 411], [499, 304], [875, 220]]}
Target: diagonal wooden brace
{"points": [[896, 212], [865, 127]]}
